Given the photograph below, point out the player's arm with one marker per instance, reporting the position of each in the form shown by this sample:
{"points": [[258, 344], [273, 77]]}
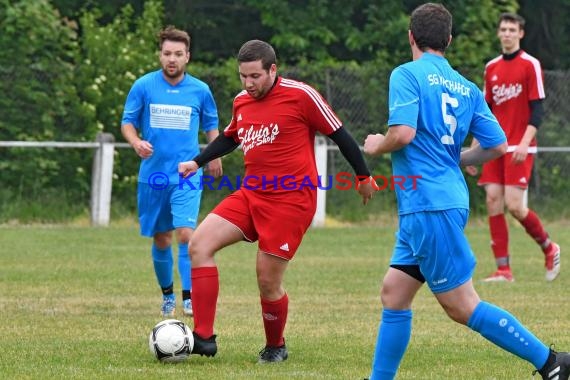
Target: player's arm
{"points": [[397, 137], [476, 155], [215, 166], [142, 148], [536, 115], [535, 121], [403, 111], [134, 105], [219, 147], [351, 152], [489, 139], [472, 170]]}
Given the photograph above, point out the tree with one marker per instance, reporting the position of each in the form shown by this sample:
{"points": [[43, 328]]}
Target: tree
{"points": [[113, 56], [40, 102], [547, 32], [475, 34], [218, 27]]}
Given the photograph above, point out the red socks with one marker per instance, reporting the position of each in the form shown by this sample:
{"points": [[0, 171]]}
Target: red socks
{"points": [[500, 240], [534, 228], [274, 315], [205, 289]]}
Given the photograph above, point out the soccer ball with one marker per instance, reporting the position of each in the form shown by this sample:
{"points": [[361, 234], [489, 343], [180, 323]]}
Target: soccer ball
{"points": [[171, 341]]}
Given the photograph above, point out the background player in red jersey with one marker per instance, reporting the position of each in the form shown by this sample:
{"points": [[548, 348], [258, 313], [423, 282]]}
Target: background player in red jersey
{"points": [[514, 91], [274, 120]]}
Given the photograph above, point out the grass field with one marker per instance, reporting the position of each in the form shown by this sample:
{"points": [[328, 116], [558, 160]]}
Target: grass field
{"points": [[79, 303]]}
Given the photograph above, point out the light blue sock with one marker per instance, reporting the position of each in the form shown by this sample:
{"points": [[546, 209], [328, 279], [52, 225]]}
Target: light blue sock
{"points": [[184, 266], [162, 260], [393, 337], [503, 329]]}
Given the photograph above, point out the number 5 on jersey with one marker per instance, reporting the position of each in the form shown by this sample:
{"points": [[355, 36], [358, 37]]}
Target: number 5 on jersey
{"points": [[448, 119]]}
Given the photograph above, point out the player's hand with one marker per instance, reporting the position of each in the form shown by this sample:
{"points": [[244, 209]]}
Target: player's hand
{"points": [[366, 188], [215, 168], [519, 154], [187, 167], [472, 170], [143, 148], [372, 144]]}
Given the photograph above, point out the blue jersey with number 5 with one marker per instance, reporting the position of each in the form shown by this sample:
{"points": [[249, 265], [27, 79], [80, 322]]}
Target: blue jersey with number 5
{"points": [[429, 95]]}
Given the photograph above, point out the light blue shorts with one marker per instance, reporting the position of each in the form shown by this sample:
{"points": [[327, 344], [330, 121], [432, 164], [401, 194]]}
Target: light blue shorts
{"points": [[162, 210], [436, 241]]}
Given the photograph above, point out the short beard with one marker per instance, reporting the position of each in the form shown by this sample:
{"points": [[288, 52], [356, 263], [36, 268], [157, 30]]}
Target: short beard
{"points": [[177, 73]]}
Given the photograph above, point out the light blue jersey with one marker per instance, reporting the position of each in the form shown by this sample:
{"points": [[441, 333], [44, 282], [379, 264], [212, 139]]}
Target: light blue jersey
{"points": [[443, 107], [451, 107], [169, 118]]}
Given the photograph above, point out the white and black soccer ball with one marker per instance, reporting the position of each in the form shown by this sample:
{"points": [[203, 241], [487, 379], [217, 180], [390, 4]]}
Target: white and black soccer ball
{"points": [[171, 341]]}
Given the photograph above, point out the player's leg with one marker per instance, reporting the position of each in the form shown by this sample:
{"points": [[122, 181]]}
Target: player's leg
{"points": [[452, 259], [156, 222], [399, 287], [183, 235], [185, 204], [493, 179], [497, 325], [514, 197], [499, 232], [163, 263], [401, 283], [274, 305], [281, 224], [228, 223], [517, 178]]}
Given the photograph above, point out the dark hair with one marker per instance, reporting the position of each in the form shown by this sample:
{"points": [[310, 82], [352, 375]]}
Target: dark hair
{"points": [[256, 50], [170, 33], [512, 17], [430, 25]]}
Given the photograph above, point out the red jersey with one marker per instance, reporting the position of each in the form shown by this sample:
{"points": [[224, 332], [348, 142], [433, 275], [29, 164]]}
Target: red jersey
{"points": [[510, 84], [277, 135]]}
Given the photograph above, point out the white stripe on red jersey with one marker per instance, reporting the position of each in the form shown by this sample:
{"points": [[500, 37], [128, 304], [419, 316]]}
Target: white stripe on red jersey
{"points": [[537, 73], [315, 96]]}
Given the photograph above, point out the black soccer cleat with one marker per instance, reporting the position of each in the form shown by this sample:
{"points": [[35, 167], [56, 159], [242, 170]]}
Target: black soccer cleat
{"points": [[204, 347], [273, 354], [557, 366]]}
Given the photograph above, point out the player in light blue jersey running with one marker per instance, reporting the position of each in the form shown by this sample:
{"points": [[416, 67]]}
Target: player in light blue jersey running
{"points": [[432, 109], [167, 107]]}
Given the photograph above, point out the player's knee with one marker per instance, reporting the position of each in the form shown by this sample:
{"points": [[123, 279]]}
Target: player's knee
{"points": [[196, 247], [392, 299], [264, 283], [183, 236], [269, 287], [162, 240], [458, 314], [387, 301], [517, 210], [493, 202]]}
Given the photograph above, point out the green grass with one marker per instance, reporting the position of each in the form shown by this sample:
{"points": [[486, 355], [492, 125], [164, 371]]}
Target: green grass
{"points": [[79, 303]]}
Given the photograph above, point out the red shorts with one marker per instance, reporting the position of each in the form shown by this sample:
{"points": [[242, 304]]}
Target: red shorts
{"points": [[503, 171], [278, 221]]}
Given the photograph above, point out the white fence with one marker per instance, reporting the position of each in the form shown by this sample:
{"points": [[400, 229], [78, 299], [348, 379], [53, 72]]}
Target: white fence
{"points": [[102, 175]]}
